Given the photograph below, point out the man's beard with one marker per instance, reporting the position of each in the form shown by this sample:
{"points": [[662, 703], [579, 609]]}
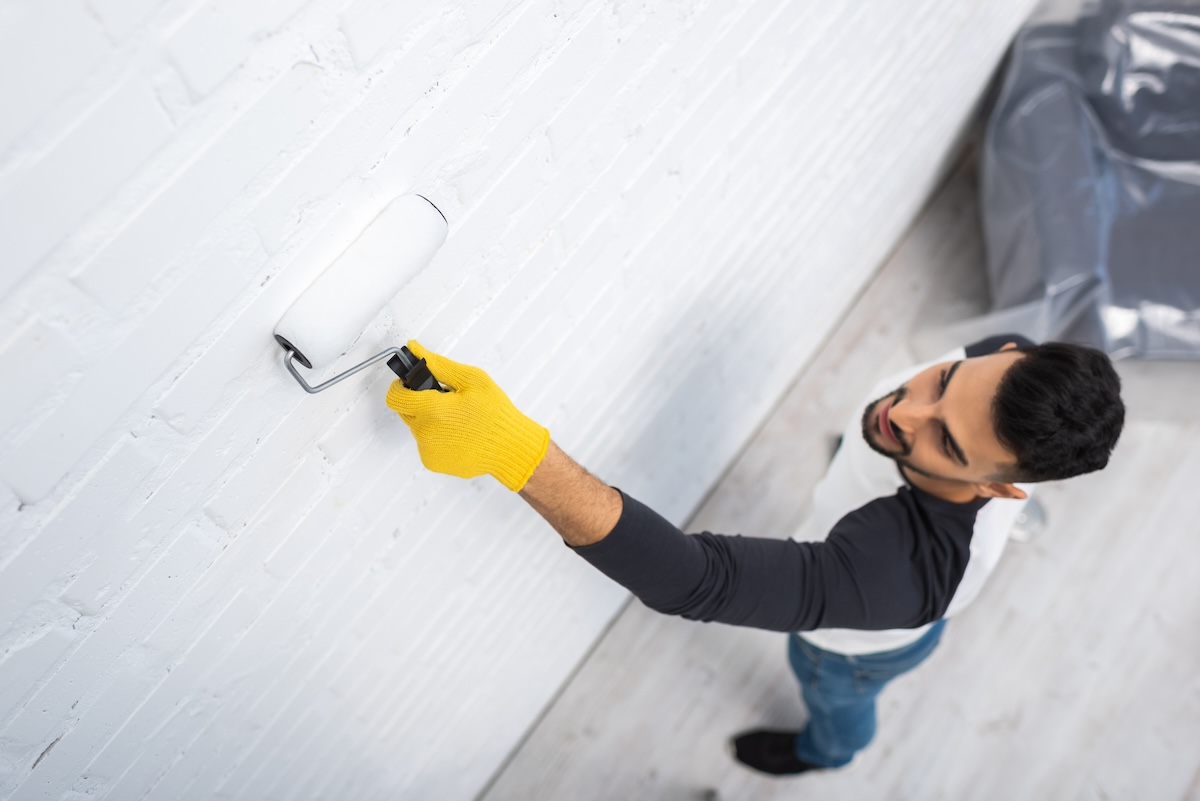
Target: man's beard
{"points": [[870, 430]]}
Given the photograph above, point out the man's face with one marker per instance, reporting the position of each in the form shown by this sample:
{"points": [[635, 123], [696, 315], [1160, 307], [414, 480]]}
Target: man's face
{"points": [[939, 424]]}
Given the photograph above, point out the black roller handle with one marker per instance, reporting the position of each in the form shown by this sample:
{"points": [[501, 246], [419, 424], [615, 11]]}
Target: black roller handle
{"points": [[413, 372]]}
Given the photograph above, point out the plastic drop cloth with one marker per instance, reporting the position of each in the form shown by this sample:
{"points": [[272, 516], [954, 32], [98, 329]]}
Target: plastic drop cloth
{"points": [[1090, 187]]}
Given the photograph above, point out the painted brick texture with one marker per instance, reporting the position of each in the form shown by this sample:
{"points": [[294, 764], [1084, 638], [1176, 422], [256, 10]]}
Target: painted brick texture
{"points": [[213, 585]]}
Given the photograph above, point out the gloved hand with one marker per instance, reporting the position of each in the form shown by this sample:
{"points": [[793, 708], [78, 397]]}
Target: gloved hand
{"points": [[471, 431]]}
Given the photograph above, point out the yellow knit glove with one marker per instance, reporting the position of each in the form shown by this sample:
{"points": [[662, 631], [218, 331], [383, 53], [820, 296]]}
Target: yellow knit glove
{"points": [[474, 429]]}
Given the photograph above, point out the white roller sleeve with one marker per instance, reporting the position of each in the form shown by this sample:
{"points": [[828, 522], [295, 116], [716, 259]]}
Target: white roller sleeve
{"points": [[393, 248]]}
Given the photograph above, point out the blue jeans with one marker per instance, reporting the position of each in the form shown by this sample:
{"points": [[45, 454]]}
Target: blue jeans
{"points": [[840, 693]]}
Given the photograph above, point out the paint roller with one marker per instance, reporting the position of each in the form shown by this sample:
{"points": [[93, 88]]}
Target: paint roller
{"points": [[329, 316]]}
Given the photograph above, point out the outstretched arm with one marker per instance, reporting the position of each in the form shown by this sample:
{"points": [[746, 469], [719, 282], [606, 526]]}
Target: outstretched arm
{"points": [[780, 585]]}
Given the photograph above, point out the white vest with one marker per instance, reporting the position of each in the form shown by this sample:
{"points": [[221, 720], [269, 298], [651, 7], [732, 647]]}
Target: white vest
{"points": [[858, 475]]}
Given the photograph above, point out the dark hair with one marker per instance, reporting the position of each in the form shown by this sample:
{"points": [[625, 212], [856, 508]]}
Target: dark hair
{"points": [[1058, 409]]}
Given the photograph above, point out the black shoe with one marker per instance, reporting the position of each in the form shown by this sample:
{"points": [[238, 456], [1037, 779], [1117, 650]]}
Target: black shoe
{"points": [[771, 752]]}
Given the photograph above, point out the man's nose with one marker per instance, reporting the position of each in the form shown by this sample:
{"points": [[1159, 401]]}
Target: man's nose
{"points": [[909, 416]]}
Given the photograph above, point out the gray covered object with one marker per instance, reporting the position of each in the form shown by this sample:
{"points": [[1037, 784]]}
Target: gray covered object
{"points": [[1090, 183]]}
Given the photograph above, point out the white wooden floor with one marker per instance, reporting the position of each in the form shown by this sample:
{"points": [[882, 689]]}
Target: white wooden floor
{"points": [[1076, 675]]}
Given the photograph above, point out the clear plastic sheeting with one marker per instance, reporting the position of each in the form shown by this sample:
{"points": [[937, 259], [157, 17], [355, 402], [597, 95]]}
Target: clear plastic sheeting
{"points": [[1090, 188]]}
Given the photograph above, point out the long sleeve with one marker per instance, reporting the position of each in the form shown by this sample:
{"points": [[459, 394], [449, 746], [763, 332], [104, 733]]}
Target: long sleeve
{"points": [[869, 574]]}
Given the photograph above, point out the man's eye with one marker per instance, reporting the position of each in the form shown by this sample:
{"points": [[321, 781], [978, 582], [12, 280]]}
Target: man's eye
{"points": [[942, 381]]}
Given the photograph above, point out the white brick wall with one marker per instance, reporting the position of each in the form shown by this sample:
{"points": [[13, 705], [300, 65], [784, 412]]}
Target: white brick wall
{"points": [[215, 586]]}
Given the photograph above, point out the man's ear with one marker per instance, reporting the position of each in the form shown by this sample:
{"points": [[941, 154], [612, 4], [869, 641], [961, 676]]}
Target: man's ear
{"points": [[999, 489], [1008, 346]]}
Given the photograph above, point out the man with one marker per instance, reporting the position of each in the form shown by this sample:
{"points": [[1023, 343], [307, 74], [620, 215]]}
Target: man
{"points": [[908, 523]]}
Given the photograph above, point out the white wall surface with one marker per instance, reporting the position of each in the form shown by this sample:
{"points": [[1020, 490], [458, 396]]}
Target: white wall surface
{"points": [[213, 585]]}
